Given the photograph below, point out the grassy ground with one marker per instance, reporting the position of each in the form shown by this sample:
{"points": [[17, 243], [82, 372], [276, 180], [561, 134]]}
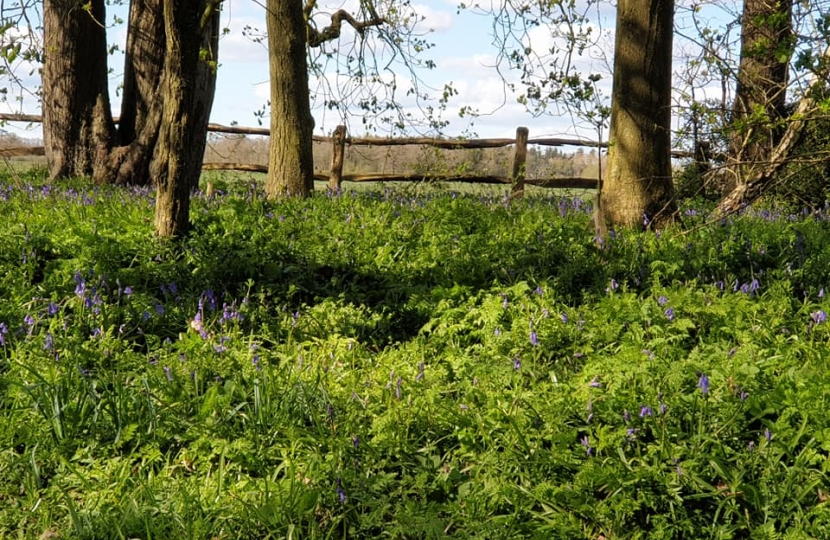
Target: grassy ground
{"points": [[406, 364]]}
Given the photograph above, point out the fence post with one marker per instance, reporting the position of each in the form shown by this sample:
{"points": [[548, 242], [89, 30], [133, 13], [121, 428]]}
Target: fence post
{"points": [[519, 158], [339, 149]]}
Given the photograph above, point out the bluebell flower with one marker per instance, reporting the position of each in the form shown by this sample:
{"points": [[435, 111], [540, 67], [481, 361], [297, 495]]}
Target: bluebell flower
{"points": [[669, 313], [539, 291], [645, 411], [517, 363], [52, 309], [30, 322], [767, 434], [398, 388], [662, 300], [534, 340], [584, 441], [168, 372], [564, 317], [626, 416], [703, 384], [595, 383], [128, 290], [3, 331], [420, 374], [48, 342], [255, 362], [341, 493], [818, 316]]}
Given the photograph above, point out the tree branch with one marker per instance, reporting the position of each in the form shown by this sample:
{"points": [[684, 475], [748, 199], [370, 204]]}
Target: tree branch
{"points": [[332, 31]]}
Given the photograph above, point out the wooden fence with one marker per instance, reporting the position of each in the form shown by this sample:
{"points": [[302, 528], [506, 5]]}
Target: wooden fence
{"points": [[340, 139]]}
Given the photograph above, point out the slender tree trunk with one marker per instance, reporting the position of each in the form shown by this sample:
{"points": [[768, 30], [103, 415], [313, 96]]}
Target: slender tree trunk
{"points": [[176, 167], [638, 188], [760, 97], [77, 122], [290, 164]]}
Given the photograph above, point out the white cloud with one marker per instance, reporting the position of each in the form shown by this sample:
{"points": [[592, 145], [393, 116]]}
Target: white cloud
{"points": [[435, 20]]}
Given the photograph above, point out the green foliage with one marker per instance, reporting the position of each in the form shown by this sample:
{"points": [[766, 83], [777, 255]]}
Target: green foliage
{"points": [[389, 365]]}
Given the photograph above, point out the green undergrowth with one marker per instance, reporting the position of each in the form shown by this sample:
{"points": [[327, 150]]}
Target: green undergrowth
{"points": [[391, 364]]}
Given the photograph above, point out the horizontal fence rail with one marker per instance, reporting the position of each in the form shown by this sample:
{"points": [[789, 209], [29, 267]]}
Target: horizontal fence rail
{"points": [[340, 139]]}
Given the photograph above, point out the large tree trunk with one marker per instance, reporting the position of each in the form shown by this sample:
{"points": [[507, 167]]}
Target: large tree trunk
{"points": [[638, 188], [178, 160], [77, 122], [760, 97], [290, 164]]}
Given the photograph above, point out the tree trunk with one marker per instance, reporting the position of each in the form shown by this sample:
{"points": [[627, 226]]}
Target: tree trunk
{"points": [[77, 122], [760, 104], [639, 186], [290, 164], [176, 166]]}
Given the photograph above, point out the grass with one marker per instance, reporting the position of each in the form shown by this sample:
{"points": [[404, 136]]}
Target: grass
{"points": [[408, 365]]}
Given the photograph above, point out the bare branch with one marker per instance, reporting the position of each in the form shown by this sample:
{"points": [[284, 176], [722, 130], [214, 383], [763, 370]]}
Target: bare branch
{"points": [[332, 32]]}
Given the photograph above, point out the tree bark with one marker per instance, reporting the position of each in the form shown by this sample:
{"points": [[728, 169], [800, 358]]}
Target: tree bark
{"points": [[639, 189], [290, 163], [77, 121], [176, 167], [760, 96]]}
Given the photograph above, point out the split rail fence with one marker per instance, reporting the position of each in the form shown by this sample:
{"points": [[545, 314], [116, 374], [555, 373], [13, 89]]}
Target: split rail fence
{"points": [[340, 139]]}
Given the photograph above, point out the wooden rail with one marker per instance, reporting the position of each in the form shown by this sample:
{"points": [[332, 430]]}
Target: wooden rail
{"points": [[340, 139]]}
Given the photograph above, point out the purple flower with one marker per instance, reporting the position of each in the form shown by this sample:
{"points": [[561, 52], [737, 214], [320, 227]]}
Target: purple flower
{"points": [[584, 441], [669, 313], [52, 309], [497, 331], [159, 309], [703, 384], [420, 374], [356, 442], [534, 340], [3, 331], [744, 394], [517, 363], [595, 383], [662, 301], [767, 434], [613, 286], [539, 291], [751, 446], [128, 290], [663, 408], [341, 494], [30, 322], [626, 416], [49, 342], [648, 353], [645, 411], [398, 388], [564, 317], [255, 362], [168, 372], [818, 316]]}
